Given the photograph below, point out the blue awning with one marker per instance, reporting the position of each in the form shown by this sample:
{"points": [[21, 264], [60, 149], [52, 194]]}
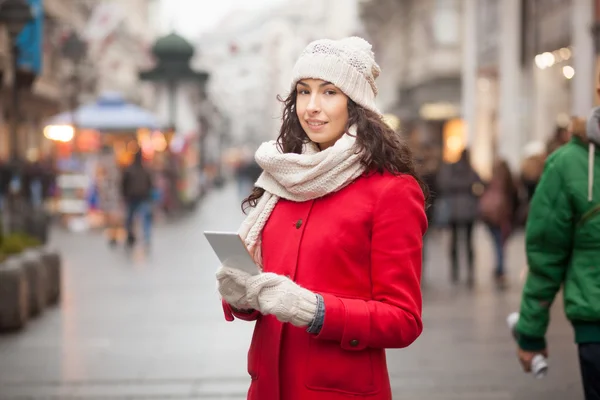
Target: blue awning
{"points": [[110, 112]]}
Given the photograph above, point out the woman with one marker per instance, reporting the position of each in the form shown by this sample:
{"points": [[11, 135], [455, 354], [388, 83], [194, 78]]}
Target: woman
{"points": [[336, 224], [458, 183], [498, 206]]}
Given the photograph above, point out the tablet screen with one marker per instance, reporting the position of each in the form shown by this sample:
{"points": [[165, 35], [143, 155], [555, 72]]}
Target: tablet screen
{"points": [[232, 251]]}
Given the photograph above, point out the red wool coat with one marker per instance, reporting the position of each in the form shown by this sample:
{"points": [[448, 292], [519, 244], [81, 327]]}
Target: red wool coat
{"points": [[360, 248]]}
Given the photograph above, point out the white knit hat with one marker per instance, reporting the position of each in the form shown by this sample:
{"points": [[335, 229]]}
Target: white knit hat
{"points": [[347, 63]]}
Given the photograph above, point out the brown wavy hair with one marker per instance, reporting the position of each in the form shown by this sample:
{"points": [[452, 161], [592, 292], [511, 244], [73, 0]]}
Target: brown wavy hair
{"points": [[381, 148]]}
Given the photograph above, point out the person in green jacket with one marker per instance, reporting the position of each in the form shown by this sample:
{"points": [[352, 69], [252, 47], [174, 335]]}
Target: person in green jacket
{"points": [[563, 249]]}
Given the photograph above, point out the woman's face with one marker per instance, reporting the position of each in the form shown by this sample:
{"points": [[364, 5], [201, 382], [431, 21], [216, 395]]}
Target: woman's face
{"points": [[322, 110]]}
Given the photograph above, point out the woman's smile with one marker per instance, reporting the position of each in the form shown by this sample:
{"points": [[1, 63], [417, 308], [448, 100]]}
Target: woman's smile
{"points": [[316, 125]]}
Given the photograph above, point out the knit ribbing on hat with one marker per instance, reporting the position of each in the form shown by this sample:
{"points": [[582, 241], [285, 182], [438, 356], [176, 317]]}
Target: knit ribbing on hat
{"points": [[344, 76]]}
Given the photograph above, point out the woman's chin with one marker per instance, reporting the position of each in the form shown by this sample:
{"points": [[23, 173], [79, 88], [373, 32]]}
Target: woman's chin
{"points": [[317, 138]]}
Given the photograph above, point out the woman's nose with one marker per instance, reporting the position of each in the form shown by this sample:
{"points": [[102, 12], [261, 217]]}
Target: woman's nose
{"points": [[313, 105]]}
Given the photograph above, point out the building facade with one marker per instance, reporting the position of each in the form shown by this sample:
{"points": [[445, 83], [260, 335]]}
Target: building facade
{"points": [[116, 37], [46, 96], [251, 55], [491, 75], [418, 45], [120, 35], [534, 70]]}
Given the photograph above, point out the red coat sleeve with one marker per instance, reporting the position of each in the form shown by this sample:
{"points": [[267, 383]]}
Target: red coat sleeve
{"points": [[230, 314], [392, 319]]}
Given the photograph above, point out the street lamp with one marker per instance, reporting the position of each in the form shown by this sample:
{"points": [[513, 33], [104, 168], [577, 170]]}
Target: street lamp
{"points": [[15, 14]]}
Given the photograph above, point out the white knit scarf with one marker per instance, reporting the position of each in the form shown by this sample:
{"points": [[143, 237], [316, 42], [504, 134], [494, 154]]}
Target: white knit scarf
{"points": [[298, 177]]}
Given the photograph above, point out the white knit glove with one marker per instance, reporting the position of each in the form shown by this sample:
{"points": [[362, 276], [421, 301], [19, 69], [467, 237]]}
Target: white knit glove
{"points": [[277, 295], [231, 284]]}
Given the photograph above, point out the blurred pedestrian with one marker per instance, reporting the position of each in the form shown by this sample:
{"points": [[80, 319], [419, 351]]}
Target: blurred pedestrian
{"points": [[108, 178], [49, 174], [458, 186], [4, 191], [563, 250], [33, 176], [137, 189], [425, 166], [532, 166], [336, 224], [247, 173], [4, 181], [561, 137], [498, 206], [171, 199]]}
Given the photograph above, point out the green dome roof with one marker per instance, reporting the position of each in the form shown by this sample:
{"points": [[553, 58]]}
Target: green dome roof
{"points": [[173, 45]]}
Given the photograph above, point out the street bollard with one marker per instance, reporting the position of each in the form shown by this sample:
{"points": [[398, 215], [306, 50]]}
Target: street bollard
{"points": [[14, 296], [53, 264], [37, 280]]}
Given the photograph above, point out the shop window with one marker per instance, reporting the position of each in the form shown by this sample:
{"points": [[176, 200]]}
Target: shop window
{"points": [[454, 140]]}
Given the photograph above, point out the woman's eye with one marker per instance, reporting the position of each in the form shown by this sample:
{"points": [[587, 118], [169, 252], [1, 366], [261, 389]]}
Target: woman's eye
{"points": [[302, 91], [330, 92]]}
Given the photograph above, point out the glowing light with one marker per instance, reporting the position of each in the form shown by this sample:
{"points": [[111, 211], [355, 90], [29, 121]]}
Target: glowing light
{"points": [[392, 121], [455, 143], [565, 53], [545, 60], [441, 110], [454, 132], [59, 133], [159, 142], [549, 58], [568, 71], [540, 62]]}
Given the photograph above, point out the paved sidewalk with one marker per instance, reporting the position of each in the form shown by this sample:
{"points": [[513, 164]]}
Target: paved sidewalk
{"points": [[151, 327]]}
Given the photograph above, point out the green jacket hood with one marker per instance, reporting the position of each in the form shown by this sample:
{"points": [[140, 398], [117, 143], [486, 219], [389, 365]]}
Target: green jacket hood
{"points": [[591, 137]]}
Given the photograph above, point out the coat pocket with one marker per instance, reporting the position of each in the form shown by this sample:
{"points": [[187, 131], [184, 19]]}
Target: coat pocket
{"points": [[331, 368], [254, 351]]}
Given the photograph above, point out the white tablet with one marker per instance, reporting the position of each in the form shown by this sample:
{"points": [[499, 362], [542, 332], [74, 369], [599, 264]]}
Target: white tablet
{"points": [[232, 251]]}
